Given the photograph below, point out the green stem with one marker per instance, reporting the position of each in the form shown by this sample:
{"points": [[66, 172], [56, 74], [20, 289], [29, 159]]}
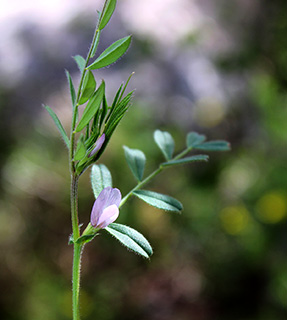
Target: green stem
{"points": [[77, 248], [76, 280], [75, 109], [74, 188], [141, 184], [152, 175]]}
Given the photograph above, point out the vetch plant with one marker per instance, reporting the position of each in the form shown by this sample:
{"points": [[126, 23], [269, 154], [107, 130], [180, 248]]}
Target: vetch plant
{"points": [[89, 136]]}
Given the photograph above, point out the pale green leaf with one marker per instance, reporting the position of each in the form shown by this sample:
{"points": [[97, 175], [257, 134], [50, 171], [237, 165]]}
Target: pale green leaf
{"points": [[158, 200], [165, 142], [72, 89], [107, 13], [199, 157], [194, 138], [216, 145], [81, 62], [92, 107], [112, 53], [59, 126], [131, 239], [136, 161], [100, 178]]}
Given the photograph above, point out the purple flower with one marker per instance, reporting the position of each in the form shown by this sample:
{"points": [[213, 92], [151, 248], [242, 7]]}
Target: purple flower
{"points": [[98, 145], [106, 208]]}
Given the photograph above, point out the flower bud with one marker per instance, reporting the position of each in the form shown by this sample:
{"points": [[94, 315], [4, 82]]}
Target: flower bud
{"points": [[98, 145]]}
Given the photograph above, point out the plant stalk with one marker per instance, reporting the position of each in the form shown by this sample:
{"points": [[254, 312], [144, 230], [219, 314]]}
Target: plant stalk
{"points": [[77, 248]]}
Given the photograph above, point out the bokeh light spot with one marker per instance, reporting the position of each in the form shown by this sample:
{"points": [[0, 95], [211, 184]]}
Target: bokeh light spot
{"points": [[234, 219], [271, 208]]}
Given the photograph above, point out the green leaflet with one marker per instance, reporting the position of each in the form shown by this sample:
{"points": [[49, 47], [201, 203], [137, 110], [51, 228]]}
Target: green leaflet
{"points": [[72, 89], [131, 239], [158, 200], [165, 142], [92, 107], [81, 62], [100, 178], [95, 47], [117, 114], [114, 102], [193, 138], [85, 238], [104, 111], [199, 157], [88, 87], [215, 145], [59, 126], [136, 160], [112, 53], [81, 149], [107, 13]]}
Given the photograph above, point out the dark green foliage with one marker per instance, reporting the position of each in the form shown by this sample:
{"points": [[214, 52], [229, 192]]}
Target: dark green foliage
{"points": [[112, 53]]}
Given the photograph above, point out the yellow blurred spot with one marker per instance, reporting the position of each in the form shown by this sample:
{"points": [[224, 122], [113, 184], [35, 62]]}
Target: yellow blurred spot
{"points": [[234, 219], [209, 112], [272, 207]]}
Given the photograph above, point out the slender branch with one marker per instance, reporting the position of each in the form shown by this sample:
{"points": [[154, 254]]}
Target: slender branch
{"points": [[152, 175], [141, 184]]}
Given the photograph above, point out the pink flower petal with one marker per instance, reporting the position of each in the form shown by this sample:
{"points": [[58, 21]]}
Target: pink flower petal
{"points": [[115, 197], [109, 197], [108, 216]]}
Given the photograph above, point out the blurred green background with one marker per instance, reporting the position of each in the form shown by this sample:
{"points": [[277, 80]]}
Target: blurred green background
{"points": [[219, 68]]}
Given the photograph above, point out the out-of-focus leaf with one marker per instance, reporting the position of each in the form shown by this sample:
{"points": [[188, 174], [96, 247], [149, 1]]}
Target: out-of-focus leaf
{"points": [[136, 161], [100, 178], [199, 157], [81, 62], [194, 138], [92, 107], [107, 13], [165, 142], [131, 239], [88, 87], [216, 145], [112, 53], [59, 126], [72, 89], [158, 200]]}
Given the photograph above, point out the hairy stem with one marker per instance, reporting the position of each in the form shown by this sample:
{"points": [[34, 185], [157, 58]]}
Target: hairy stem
{"points": [[74, 187], [76, 280], [77, 248]]}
